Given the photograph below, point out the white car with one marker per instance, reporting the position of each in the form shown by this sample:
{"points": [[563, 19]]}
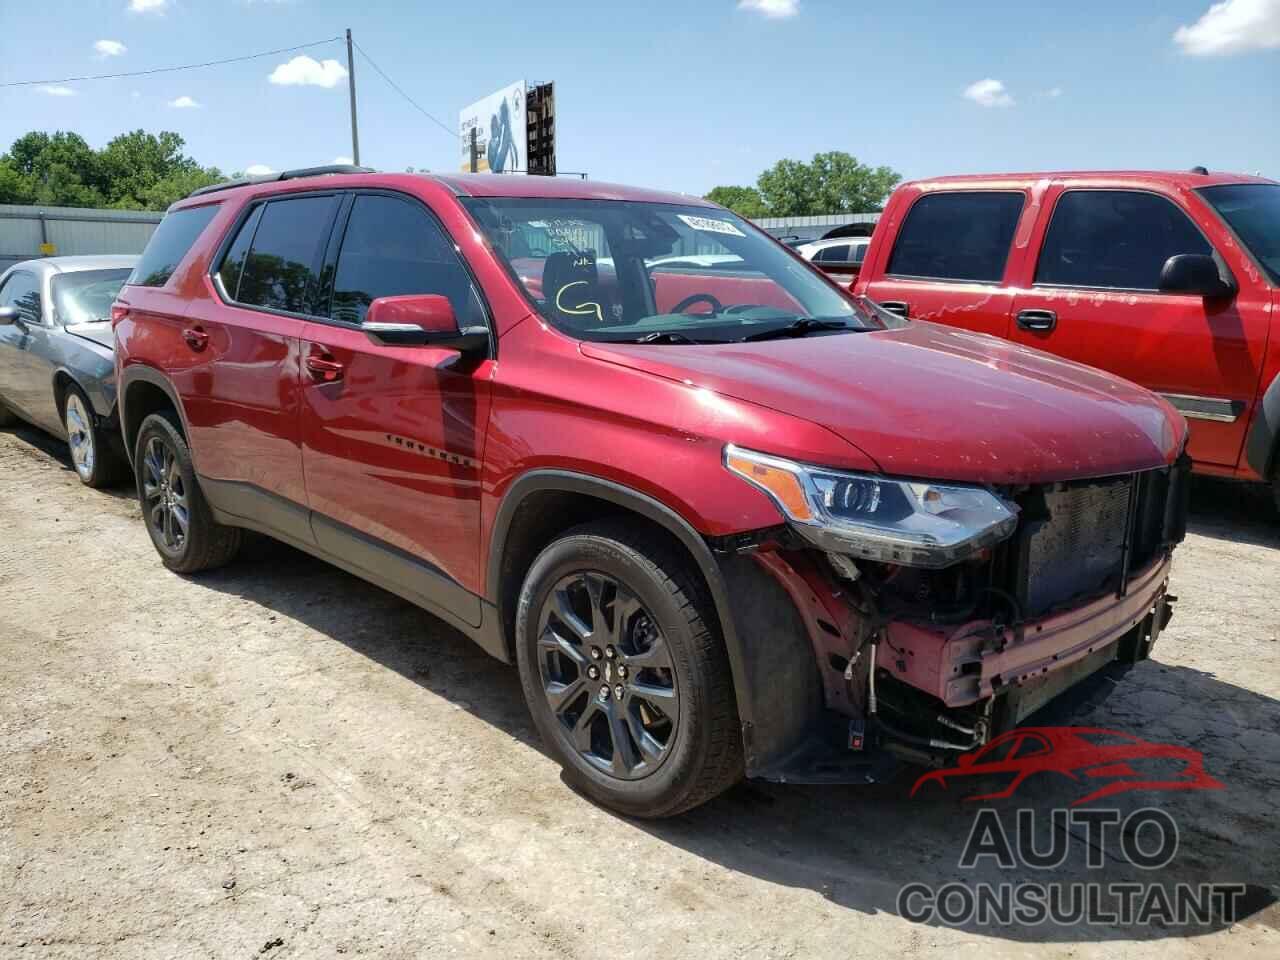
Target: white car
{"points": [[840, 251]]}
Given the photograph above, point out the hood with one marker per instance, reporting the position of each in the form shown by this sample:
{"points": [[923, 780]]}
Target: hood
{"points": [[99, 332], [937, 403]]}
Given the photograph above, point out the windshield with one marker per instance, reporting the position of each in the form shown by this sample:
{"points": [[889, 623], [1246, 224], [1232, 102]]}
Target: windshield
{"points": [[86, 295], [1252, 210], [621, 270]]}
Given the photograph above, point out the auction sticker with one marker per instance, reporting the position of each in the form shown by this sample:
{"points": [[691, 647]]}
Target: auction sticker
{"points": [[712, 226]]}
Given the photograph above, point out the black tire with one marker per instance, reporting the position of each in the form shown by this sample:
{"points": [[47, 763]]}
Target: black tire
{"points": [[161, 453], [93, 454], [701, 752]]}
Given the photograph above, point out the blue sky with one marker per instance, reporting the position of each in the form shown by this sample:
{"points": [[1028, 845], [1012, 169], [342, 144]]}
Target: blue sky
{"points": [[678, 94]]}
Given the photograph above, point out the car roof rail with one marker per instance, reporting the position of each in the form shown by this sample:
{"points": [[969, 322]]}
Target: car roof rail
{"points": [[326, 170]]}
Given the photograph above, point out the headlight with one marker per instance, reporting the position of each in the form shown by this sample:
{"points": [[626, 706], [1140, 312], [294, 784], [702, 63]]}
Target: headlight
{"points": [[918, 524]]}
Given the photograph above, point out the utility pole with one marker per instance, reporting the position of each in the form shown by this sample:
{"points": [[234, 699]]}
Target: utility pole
{"points": [[351, 85]]}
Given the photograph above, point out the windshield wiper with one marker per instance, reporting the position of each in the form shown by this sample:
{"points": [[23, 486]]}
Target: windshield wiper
{"points": [[670, 336], [798, 328]]}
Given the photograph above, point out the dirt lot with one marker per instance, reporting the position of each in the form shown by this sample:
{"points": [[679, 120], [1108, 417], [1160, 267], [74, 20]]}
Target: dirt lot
{"points": [[280, 760]]}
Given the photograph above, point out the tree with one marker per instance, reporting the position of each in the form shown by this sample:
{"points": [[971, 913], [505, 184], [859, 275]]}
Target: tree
{"points": [[135, 171], [744, 201], [835, 182]]}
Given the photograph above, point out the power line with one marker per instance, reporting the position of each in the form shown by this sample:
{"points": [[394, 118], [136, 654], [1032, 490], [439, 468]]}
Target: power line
{"points": [[396, 87], [188, 66]]}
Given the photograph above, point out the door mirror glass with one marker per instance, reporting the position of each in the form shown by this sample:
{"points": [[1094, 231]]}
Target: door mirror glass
{"points": [[8, 315], [1194, 273]]}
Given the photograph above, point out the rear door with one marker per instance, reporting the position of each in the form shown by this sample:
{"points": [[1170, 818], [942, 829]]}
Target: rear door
{"points": [[392, 435], [949, 259], [1094, 298], [241, 389]]}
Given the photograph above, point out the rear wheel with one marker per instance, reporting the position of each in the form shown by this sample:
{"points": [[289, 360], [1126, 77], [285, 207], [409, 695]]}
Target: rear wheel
{"points": [[626, 677], [95, 462], [177, 516]]}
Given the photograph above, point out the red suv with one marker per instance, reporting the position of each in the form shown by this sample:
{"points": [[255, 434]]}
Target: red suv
{"points": [[726, 517], [1167, 279]]}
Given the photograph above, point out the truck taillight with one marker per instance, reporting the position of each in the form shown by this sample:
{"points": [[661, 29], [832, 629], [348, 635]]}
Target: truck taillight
{"points": [[118, 313]]}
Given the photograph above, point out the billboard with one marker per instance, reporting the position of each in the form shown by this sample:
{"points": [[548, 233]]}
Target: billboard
{"points": [[501, 132]]}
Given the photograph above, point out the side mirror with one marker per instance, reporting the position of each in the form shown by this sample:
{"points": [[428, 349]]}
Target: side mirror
{"points": [[9, 316], [421, 320], [1195, 273]]}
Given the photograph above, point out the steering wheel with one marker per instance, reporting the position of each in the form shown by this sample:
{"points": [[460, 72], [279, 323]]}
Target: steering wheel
{"points": [[689, 301]]}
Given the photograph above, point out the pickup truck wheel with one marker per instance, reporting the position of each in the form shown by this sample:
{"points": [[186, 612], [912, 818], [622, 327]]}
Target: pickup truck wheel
{"points": [[178, 519], [96, 464], [625, 676]]}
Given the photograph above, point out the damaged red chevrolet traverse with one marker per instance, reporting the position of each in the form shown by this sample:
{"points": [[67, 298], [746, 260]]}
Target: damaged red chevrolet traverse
{"points": [[727, 519]]}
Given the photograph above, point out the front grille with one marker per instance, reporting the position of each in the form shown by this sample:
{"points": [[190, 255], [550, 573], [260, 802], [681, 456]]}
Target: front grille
{"points": [[1080, 540]]}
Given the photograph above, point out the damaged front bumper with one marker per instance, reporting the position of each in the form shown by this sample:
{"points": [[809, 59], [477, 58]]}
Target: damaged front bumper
{"points": [[909, 689]]}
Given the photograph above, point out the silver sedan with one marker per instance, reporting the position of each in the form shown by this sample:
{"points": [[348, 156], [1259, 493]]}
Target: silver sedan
{"points": [[56, 355]]}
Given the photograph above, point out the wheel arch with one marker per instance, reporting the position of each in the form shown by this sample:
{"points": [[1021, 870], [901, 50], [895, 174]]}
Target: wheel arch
{"points": [[142, 391], [541, 504]]}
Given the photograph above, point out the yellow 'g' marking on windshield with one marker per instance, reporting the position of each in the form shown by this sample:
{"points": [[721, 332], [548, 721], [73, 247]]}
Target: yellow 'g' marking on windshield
{"points": [[578, 311]]}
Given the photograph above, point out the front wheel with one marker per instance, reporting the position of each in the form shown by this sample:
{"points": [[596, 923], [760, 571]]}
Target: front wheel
{"points": [[178, 519], [624, 672]]}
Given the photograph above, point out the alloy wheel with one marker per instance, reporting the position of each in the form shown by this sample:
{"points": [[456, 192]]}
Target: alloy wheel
{"points": [[80, 436], [607, 675], [164, 495]]}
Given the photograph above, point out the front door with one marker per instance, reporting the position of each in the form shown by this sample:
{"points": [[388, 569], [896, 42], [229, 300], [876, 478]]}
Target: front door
{"points": [[26, 373], [949, 259], [392, 436], [1095, 299]]}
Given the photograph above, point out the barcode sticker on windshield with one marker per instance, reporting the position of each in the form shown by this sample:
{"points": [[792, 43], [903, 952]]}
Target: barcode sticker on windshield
{"points": [[712, 226]]}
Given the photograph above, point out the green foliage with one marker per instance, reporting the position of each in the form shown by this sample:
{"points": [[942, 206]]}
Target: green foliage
{"points": [[834, 182], [135, 171], [744, 201]]}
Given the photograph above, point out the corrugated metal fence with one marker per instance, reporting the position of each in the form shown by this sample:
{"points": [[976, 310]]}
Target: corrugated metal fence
{"points": [[29, 232]]}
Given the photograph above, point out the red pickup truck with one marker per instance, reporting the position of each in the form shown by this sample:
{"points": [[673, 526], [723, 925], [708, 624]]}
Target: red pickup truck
{"points": [[1168, 279]]}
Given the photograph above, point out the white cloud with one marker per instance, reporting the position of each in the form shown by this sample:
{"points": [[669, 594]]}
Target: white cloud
{"points": [[109, 48], [304, 71], [1234, 26], [57, 91], [773, 9], [183, 103], [342, 160], [148, 6], [1054, 92], [257, 170], [989, 93]]}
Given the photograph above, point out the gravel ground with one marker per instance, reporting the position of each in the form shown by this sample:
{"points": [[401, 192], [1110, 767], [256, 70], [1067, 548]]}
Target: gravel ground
{"points": [[280, 760]]}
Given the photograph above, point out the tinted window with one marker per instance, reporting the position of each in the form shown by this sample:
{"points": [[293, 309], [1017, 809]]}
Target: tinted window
{"points": [[1253, 212], [957, 236], [233, 262], [169, 244], [838, 254], [86, 295], [281, 266], [860, 252], [22, 290], [393, 248], [1114, 238]]}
